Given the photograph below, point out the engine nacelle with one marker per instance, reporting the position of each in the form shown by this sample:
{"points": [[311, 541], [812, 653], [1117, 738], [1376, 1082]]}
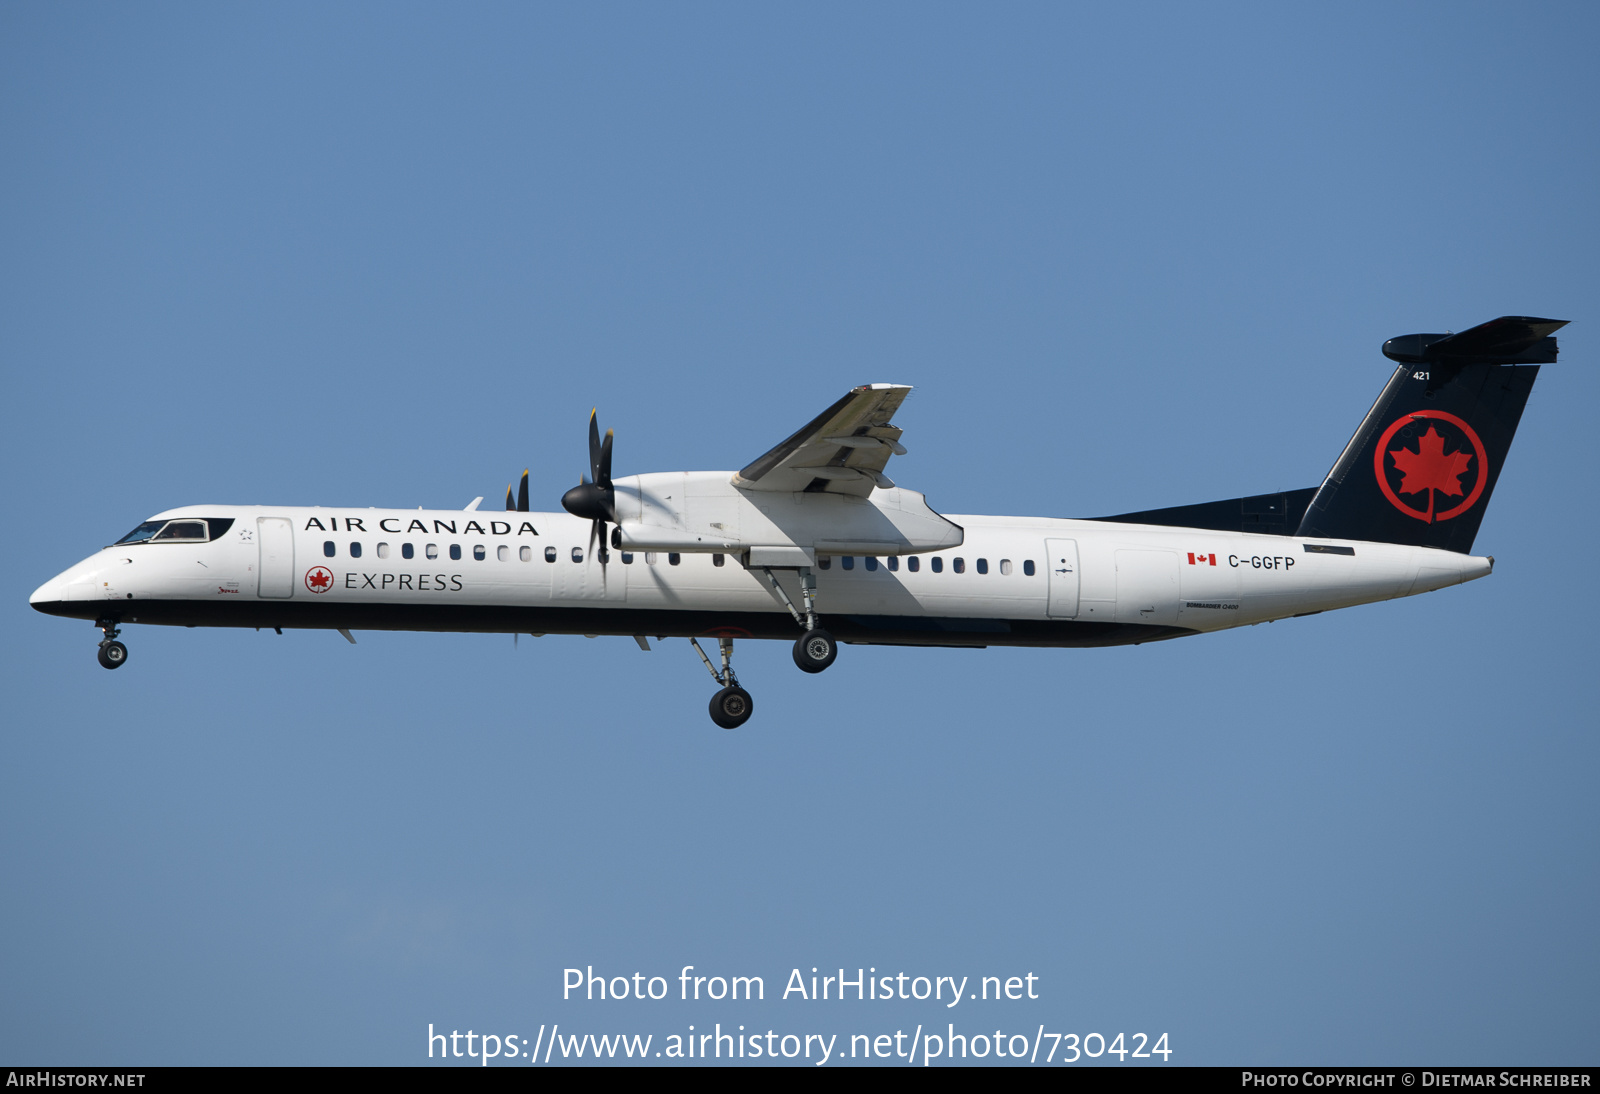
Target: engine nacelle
{"points": [[704, 511]]}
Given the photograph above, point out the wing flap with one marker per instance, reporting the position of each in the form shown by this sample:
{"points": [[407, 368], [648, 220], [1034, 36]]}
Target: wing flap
{"points": [[843, 450]]}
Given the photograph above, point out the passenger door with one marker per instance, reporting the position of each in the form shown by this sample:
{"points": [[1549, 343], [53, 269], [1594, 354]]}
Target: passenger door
{"points": [[276, 537], [1061, 560]]}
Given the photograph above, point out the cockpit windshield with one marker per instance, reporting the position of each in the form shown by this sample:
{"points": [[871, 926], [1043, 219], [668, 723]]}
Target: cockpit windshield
{"points": [[142, 533], [191, 530]]}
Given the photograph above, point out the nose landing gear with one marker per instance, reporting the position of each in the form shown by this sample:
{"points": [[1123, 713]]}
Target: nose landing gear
{"points": [[112, 653]]}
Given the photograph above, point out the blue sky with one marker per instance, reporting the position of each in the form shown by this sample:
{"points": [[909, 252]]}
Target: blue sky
{"points": [[392, 254]]}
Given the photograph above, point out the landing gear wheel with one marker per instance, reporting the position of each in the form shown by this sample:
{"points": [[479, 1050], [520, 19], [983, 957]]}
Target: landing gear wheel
{"points": [[815, 650], [731, 707], [113, 654]]}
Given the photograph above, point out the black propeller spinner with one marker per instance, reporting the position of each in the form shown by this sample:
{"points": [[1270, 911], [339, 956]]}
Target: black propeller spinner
{"points": [[595, 500]]}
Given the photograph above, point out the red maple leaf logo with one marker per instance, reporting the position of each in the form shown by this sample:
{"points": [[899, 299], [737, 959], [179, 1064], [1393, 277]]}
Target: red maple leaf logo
{"points": [[319, 579], [1431, 468]]}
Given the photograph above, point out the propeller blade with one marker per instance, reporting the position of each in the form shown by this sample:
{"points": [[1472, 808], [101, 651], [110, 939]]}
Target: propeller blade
{"points": [[522, 493], [594, 499], [594, 444], [510, 505], [603, 471], [609, 497]]}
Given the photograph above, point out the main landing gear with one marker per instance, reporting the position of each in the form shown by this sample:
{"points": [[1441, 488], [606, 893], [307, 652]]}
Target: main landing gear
{"points": [[112, 653], [816, 649], [732, 706]]}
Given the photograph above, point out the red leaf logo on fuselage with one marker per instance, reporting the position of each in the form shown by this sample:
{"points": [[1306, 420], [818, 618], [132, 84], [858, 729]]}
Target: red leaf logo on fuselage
{"points": [[1430, 469], [319, 579]]}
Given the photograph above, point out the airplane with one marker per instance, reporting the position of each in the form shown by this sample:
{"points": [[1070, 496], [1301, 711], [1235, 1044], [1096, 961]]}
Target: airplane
{"points": [[812, 541]]}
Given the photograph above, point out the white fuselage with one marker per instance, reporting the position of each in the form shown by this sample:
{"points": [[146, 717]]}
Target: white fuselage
{"points": [[1011, 581]]}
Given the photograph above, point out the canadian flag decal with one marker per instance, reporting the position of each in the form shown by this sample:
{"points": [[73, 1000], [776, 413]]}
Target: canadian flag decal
{"points": [[1202, 560]]}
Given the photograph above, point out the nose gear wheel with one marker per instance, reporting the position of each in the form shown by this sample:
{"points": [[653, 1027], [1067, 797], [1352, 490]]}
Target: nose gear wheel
{"points": [[112, 653]]}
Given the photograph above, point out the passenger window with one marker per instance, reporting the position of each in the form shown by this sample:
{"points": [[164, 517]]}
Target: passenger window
{"points": [[937, 563], [503, 553], [549, 554], [627, 558], [328, 549], [192, 530], [577, 554], [848, 562], [355, 550], [717, 560], [432, 550], [407, 551], [673, 558], [894, 563], [455, 551], [913, 564], [983, 565], [959, 565], [383, 550], [871, 563], [824, 563], [603, 555], [1027, 566], [525, 553], [649, 558], [1005, 567]]}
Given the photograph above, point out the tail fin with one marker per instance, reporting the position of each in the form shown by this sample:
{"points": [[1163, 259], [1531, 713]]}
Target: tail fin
{"points": [[1424, 461]]}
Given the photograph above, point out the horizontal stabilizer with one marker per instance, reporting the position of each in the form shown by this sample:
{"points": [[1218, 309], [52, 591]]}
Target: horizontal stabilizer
{"points": [[1509, 340]]}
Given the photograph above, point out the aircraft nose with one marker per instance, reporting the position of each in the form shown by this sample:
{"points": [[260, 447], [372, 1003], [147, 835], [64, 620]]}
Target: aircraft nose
{"points": [[76, 584], [51, 592]]}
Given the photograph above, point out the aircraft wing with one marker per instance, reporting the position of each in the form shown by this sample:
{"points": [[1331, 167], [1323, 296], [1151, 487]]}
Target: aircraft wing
{"points": [[843, 450]]}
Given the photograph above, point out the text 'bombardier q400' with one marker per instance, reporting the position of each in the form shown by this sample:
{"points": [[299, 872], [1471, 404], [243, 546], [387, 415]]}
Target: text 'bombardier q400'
{"points": [[813, 542]]}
